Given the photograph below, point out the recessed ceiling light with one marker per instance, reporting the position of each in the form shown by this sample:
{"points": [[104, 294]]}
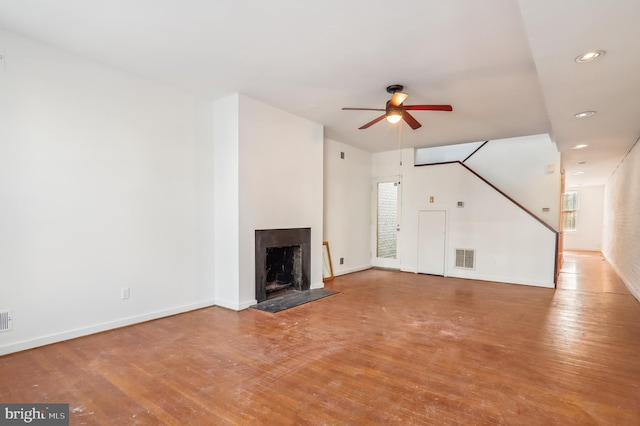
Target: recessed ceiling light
{"points": [[578, 173], [590, 56], [585, 114], [580, 146]]}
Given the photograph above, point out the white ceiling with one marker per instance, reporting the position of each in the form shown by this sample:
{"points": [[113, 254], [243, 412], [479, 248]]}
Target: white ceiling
{"points": [[506, 66]]}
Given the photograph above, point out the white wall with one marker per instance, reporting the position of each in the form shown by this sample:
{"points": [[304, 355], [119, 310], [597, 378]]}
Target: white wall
{"points": [[525, 168], [621, 235], [347, 202], [268, 176], [205, 190], [588, 233], [226, 206], [98, 188], [386, 164], [510, 245]]}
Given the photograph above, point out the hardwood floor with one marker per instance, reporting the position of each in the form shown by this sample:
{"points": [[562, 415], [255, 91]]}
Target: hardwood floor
{"points": [[392, 348]]}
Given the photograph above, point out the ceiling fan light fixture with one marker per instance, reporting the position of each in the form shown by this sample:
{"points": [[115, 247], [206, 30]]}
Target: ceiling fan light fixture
{"points": [[394, 115], [590, 56]]}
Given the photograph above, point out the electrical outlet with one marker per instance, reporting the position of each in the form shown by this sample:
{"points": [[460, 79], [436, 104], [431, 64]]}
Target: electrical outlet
{"points": [[124, 293], [342, 260]]}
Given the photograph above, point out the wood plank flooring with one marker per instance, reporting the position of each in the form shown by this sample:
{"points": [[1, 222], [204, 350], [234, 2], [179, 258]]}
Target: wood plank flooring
{"points": [[392, 349]]}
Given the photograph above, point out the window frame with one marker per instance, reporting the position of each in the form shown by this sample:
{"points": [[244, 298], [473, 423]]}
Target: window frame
{"points": [[574, 211]]}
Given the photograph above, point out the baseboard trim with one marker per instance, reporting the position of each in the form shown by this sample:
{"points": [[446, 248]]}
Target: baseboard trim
{"points": [[530, 283], [234, 305], [634, 291], [98, 328], [351, 270]]}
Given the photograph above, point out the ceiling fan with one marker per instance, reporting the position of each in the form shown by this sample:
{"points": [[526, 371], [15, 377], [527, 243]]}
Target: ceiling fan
{"points": [[395, 110]]}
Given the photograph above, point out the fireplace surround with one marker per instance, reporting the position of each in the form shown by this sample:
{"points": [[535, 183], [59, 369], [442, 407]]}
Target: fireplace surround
{"points": [[288, 251]]}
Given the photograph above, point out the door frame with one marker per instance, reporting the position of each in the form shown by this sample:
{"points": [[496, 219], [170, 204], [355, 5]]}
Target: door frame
{"points": [[381, 262]]}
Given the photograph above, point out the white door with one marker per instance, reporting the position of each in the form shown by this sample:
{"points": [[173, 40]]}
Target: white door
{"points": [[431, 241], [386, 222]]}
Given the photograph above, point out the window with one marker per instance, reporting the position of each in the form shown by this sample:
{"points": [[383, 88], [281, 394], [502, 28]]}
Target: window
{"points": [[569, 210]]}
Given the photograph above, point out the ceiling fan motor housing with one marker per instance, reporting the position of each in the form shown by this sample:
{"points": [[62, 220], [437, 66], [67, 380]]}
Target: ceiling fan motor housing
{"points": [[392, 109], [395, 88]]}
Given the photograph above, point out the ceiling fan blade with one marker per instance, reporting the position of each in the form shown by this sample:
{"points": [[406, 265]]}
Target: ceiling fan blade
{"points": [[371, 123], [410, 120], [398, 98], [428, 107], [363, 109]]}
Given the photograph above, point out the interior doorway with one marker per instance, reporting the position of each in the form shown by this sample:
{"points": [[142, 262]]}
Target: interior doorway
{"points": [[386, 223]]}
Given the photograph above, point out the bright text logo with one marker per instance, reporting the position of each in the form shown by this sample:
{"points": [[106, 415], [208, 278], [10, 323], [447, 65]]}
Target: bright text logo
{"points": [[36, 414]]}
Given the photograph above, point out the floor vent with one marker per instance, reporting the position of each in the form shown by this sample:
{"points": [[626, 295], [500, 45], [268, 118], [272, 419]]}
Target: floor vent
{"points": [[5, 321], [465, 258]]}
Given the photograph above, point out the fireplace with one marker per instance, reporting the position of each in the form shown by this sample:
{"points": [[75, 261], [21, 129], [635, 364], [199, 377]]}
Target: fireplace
{"points": [[283, 261]]}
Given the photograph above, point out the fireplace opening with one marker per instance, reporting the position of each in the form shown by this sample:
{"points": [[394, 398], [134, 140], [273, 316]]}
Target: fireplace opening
{"points": [[283, 271], [283, 261]]}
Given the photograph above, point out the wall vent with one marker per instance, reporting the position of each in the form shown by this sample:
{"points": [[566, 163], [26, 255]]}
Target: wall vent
{"points": [[465, 258], [5, 321]]}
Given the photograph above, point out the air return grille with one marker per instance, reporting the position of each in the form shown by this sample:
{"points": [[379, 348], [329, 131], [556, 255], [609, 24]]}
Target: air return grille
{"points": [[5, 321], [465, 258]]}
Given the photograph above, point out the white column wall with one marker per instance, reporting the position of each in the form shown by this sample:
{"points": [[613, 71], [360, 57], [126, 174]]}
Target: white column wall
{"points": [[281, 166], [268, 175]]}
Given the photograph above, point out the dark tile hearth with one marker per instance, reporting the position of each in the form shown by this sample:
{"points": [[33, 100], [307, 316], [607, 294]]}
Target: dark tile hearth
{"points": [[292, 300]]}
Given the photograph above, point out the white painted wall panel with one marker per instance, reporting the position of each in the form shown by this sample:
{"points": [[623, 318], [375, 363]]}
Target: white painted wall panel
{"points": [[226, 202], [525, 168], [98, 183], [510, 245], [432, 241], [347, 203], [588, 233]]}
